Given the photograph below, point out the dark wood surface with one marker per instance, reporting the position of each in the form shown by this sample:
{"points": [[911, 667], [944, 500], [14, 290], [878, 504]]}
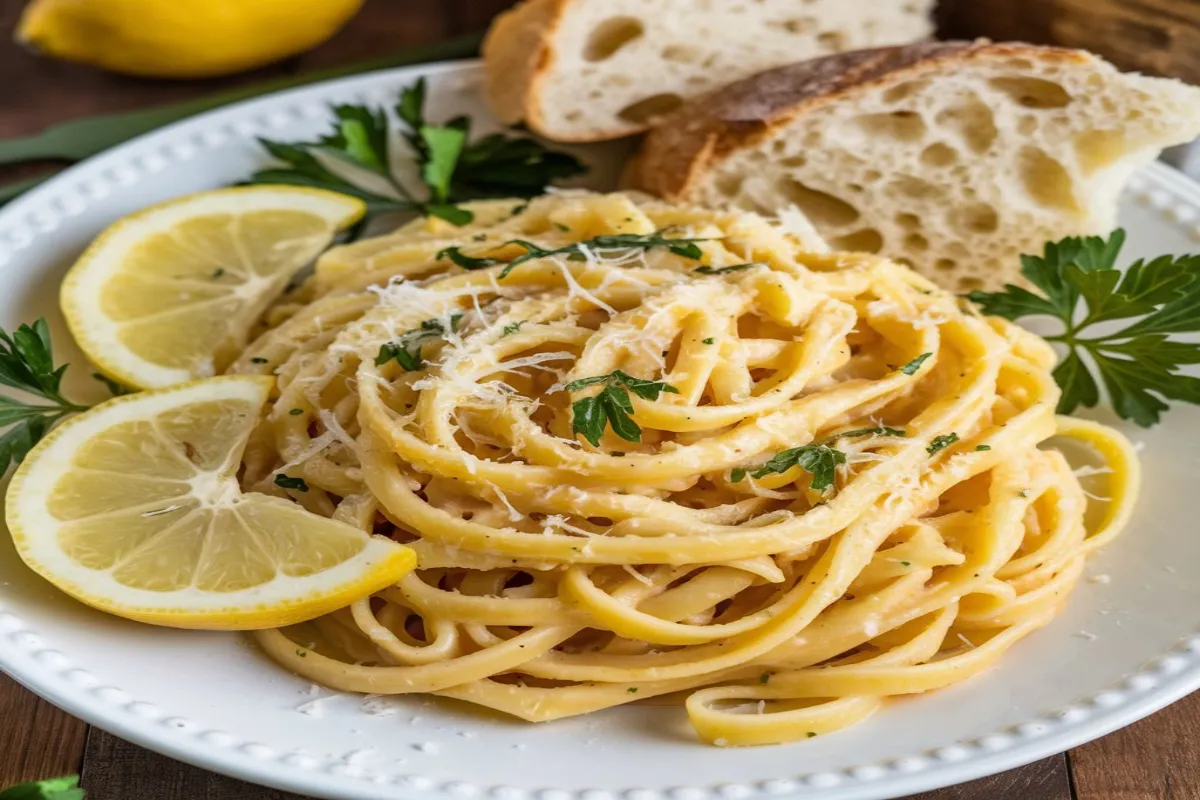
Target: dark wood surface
{"points": [[1156, 759]]}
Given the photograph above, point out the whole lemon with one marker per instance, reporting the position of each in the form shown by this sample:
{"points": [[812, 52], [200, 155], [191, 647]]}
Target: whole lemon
{"points": [[180, 38]]}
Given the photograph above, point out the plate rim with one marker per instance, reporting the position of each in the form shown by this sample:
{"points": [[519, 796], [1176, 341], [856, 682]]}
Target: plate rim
{"points": [[1164, 678]]}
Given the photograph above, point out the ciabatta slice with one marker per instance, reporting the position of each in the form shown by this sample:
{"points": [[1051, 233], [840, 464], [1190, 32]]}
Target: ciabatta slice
{"points": [[954, 157], [587, 70]]}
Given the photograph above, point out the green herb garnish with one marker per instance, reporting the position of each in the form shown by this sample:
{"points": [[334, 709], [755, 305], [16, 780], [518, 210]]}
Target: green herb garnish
{"points": [[940, 443], [764, 678], [53, 789], [512, 328], [983, 447], [288, 482], [878, 430], [406, 350], [451, 167], [911, 367], [612, 405], [27, 364], [295, 412], [707, 270], [575, 251], [709, 340], [1139, 363], [820, 460]]}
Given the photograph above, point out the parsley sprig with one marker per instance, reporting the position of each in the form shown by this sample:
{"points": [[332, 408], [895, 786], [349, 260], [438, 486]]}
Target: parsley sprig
{"points": [[688, 248], [452, 168], [612, 406], [52, 789], [820, 460], [27, 364], [406, 349], [1138, 364]]}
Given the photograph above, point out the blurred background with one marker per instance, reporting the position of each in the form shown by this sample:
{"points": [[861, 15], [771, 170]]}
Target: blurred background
{"points": [[64, 60]]}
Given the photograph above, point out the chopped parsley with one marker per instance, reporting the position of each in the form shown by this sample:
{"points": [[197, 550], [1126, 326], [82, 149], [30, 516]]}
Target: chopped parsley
{"points": [[818, 459], [295, 412], [406, 350], [259, 360], [911, 367], [878, 430], [940, 443], [512, 328], [709, 340], [983, 447], [612, 406], [288, 482]]}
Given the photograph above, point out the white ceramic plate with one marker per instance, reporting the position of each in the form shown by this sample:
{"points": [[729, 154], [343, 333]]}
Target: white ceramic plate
{"points": [[1122, 649]]}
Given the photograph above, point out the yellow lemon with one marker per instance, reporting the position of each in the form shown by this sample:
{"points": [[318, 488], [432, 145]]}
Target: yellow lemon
{"points": [[169, 294], [180, 38], [134, 508]]}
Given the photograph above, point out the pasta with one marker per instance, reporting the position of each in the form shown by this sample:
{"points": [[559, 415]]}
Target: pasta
{"points": [[834, 494]]}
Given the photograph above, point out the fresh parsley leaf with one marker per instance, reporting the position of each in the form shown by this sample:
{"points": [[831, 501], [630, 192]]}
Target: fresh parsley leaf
{"points": [[27, 365], [878, 430], [443, 145], [709, 340], [707, 270], [406, 350], [983, 448], [612, 405], [451, 167], [288, 482], [650, 390], [618, 407], [820, 460], [505, 166], [53, 789], [1138, 364], [911, 367], [940, 443], [295, 412], [512, 328], [302, 168]]}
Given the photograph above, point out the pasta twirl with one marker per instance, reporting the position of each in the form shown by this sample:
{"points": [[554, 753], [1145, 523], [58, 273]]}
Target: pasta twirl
{"points": [[699, 551]]}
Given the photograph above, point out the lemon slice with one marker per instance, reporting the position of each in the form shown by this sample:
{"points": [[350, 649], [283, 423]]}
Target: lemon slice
{"points": [[170, 293], [134, 508]]}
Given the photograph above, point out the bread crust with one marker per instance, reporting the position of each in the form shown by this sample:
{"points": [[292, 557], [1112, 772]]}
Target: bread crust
{"points": [[707, 129], [517, 55]]}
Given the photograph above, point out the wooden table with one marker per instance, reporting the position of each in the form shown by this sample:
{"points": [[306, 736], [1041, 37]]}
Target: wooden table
{"points": [[1156, 759]]}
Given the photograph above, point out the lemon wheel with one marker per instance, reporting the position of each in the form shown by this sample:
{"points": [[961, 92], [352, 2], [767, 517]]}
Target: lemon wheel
{"points": [[170, 294], [134, 508]]}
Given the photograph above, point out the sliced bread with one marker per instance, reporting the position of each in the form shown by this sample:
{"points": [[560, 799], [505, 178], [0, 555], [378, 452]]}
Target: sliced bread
{"points": [[588, 70], [953, 157]]}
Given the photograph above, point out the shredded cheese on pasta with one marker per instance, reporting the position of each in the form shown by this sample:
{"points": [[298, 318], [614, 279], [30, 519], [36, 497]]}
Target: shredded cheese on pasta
{"points": [[559, 578]]}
